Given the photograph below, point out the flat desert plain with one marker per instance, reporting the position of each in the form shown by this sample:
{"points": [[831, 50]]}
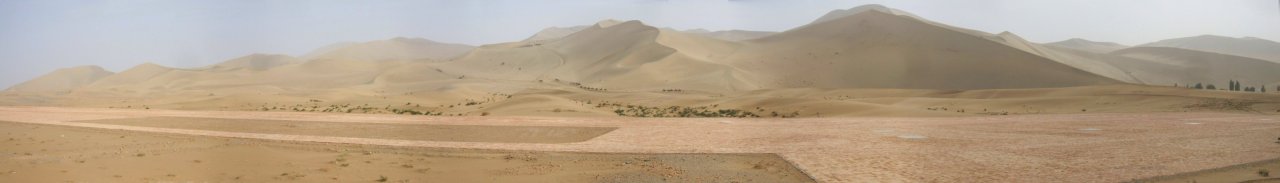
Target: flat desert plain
{"points": [[52, 144]]}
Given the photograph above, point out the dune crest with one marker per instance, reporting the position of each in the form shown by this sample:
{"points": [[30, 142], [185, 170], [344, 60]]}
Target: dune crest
{"points": [[63, 80], [1246, 46], [880, 49], [399, 49], [1087, 45]]}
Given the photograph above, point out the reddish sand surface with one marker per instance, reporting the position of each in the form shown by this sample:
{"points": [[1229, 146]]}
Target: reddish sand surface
{"points": [[1105, 147]]}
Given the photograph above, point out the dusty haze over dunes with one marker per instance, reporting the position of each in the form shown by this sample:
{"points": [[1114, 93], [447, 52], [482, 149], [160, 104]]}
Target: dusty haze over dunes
{"points": [[119, 35], [568, 68]]}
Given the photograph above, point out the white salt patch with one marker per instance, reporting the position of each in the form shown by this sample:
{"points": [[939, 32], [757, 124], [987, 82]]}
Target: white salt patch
{"points": [[1089, 129], [912, 137], [1192, 123]]}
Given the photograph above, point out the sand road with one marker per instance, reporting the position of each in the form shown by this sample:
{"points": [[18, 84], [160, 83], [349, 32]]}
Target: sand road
{"points": [[1109, 147]]}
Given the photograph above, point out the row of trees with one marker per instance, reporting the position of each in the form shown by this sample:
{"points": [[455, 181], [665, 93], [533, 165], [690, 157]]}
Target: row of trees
{"points": [[1235, 86], [1232, 85]]}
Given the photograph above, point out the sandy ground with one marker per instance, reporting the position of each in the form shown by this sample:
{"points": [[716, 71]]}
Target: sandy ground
{"points": [[50, 153], [1256, 172], [1108, 147], [456, 133]]}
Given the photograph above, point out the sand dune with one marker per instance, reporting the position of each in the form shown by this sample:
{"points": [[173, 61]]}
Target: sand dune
{"points": [[1087, 45], [1087, 61], [864, 61], [1246, 46], [880, 49], [255, 62], [627, 55], [132, 76], [1166, 66], [727, 35], [555, 32], [731, 35], [62, 80], [411, 49], [560, 32]]}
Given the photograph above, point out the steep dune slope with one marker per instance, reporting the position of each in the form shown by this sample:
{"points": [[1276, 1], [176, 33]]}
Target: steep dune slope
{"points": [[732, 35], [1166, 66], [1083, 60], [130, 77], [628, 55], [727, 35], [63, 80], [1087, 45], [246, 74], [878, 48], [555, 33], [1247, 46], [254, 62], [403, 49], [551, 33]]}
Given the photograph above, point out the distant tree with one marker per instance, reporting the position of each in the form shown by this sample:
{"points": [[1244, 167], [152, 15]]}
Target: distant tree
{"points": [[1211, 87], [1263, 88], [1198, 86], [1231, 85]]}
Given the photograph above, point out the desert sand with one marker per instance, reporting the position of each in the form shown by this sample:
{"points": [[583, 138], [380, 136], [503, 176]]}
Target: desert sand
{"points": [[1087, 45], [1253, 172], [49, 153], [866, 94], [1024, 148]]}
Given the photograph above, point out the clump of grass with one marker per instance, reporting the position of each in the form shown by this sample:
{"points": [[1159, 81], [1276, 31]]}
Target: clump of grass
{"points": [[1264, 172], [381, 178]]}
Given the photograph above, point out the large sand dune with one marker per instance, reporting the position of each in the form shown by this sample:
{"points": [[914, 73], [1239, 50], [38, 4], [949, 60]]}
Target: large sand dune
{"points": [[1087, 45], [843, 64], [1167, 66], [410, 49], [1247, 46], [879, 49], [626, 55], [62, 80]]}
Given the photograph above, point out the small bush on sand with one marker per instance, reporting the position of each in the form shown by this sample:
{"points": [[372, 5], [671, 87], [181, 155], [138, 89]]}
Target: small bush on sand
{"points": [[1264, 173], [382, 178]]}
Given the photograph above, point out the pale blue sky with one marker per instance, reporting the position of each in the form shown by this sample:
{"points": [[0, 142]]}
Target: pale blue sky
{"points": [[38, 36]]}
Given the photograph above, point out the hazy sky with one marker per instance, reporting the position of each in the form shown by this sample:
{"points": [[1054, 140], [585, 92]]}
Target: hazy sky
{"points": [[38, 36]]}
